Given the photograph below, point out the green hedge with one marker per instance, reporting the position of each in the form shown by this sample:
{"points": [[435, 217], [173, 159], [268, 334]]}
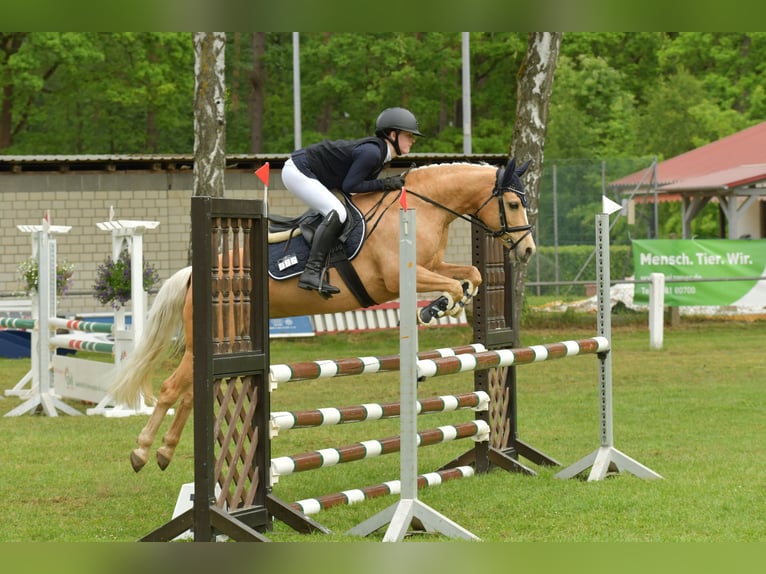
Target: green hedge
{"points": [[571, 259]]}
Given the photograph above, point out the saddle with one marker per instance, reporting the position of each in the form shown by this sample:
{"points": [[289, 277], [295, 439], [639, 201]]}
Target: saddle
{"points": [[290, 244]]}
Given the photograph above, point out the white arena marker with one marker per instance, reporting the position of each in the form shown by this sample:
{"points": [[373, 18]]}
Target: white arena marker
{"points": [[541, 353]]}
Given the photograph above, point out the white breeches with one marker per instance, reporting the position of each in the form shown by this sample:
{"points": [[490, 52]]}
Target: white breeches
{"points": [[311, 191]]}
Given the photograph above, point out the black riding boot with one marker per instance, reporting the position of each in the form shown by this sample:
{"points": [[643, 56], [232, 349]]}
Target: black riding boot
{"points": [[324, 240]]}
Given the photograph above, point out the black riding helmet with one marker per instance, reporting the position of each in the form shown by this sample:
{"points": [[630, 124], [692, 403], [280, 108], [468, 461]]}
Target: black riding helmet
{"points": [[397, 119]]}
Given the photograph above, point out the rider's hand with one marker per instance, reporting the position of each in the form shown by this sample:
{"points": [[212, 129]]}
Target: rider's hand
{"points": [[393, 182]]}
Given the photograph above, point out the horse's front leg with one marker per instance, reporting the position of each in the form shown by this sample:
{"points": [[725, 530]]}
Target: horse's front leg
{"points": [[455, 290], [178, 382], [459, 272], [470, 279]]}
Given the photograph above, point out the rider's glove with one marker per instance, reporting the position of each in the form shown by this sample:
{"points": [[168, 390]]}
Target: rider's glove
{"points": [[393, 182]]}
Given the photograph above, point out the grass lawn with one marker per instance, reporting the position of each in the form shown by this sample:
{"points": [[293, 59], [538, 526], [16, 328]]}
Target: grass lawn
{"points": [[692, 412]]}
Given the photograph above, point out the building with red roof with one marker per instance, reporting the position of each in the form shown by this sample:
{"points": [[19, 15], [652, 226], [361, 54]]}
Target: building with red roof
{"points": [[731, 171]]}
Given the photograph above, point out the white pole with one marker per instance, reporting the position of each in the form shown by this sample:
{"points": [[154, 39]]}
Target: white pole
{"points": [[137, 293], [297, 89], [46, 253], [466, 51], [656, 309]]}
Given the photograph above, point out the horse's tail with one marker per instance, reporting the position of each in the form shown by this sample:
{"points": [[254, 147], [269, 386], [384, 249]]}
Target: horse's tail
{"points": [[165, 319]]}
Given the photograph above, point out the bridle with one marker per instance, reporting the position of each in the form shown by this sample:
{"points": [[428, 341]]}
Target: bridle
{"points": [[501, 188]]}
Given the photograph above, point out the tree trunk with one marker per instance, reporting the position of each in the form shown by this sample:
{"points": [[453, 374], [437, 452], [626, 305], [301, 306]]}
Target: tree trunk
{"points": [[10, 44], [535, 83], [6, 116], [209, 116]]}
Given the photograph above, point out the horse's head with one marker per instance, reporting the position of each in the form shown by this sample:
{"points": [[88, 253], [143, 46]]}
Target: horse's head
{"points": [[510, 223]]}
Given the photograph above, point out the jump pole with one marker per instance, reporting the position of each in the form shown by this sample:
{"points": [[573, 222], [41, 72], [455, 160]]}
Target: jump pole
{"points": [[606, 458], [400, 515]]}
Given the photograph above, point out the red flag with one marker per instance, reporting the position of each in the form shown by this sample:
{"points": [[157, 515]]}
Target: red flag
{"points": [[403, 199], [263, 173]]}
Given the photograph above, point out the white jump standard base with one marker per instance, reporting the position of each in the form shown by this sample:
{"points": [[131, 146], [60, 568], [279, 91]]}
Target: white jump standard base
{"points": [[401, 515]]}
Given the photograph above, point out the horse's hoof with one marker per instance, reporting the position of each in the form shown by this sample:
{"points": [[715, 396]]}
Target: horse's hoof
{"points": [[136, 461], [162, 461]]}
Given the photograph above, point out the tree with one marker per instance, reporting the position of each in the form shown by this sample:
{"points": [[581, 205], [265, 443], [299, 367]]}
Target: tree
{"points": [[10, 44], [28, 63], [534, 87], [209, 115]]}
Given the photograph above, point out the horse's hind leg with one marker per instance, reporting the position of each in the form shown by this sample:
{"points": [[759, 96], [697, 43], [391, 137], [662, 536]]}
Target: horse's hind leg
{"points": [[173, 435], [140, 454], [172, 388]]}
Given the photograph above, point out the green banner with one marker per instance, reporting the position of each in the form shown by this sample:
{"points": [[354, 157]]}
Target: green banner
{"points": [[702, 258]]}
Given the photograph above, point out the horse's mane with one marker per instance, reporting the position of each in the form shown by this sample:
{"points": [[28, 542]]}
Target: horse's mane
{"points": [[427, 176], [452, 164]]}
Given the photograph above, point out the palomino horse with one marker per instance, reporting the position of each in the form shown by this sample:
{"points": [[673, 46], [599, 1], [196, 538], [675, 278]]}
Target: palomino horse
{"points": [[489, 197]]}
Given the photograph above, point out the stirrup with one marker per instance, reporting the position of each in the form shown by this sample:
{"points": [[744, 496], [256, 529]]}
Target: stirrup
{"points": [[325, 289], [322, 287]]}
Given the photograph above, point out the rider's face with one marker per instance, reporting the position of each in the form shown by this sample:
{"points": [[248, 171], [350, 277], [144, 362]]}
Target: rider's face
{"points": [[406, 141]]}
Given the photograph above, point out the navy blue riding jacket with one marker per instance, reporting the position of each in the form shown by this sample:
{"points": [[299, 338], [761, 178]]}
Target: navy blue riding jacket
{"points": [[351, 166]]}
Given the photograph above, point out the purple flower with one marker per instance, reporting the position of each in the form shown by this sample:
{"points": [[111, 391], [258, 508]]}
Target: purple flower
{"points": [[113, 280]]}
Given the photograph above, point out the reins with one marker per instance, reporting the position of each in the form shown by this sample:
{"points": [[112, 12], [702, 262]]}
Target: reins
{"points": [[497, 192]]}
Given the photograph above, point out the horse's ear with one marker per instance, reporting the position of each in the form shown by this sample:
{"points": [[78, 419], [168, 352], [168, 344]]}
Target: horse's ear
{"points": [[523, 168], [511, 166]]}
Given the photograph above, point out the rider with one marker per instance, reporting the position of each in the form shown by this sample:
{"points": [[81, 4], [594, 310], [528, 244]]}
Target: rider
{"points": [[350, 166]]}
